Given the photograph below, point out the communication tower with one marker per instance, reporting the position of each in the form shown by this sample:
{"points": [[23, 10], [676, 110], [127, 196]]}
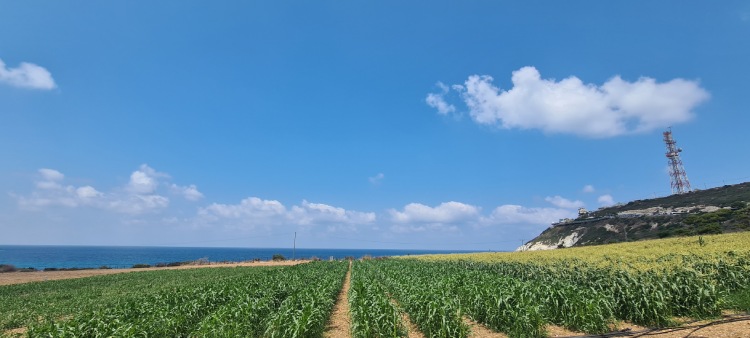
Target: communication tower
{"points": [[678, 177]]}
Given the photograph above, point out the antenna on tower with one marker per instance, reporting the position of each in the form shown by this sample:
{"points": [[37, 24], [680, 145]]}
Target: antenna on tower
{"points": [[678, 177]]}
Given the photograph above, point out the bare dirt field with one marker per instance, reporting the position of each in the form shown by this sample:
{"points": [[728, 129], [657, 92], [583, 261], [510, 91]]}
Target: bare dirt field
{"points": [[8, 278]]}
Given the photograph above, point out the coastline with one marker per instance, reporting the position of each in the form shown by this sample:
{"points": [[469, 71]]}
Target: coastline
{"points": [[19, 277]]}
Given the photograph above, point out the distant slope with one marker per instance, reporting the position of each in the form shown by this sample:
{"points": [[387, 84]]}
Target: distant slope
{"points": [[711, 211]]}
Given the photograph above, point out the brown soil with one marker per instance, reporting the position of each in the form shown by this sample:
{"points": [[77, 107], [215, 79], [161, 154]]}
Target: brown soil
{"points": [[339, 324], [728, 327], [411, 328], [559, 331], [731, 326], [8, 278], [478, 330], [627, 326]]}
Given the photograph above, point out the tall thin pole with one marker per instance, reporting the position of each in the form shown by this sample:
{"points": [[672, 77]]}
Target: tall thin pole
{"points": [[294, 248]]}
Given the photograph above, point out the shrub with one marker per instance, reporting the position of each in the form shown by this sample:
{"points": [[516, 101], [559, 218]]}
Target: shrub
{"points": [[278, 257], [141, 266], [7, 268], [201, 261]]}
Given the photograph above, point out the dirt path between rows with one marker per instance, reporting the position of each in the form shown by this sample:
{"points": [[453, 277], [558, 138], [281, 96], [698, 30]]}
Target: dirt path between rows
{"points": [[411, 328], [339, 324], [7, 278], [477, 330]]}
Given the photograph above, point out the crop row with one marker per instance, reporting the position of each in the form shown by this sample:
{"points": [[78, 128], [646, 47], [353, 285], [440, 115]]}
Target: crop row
{"points": [[426, 297], [373, 313], [271, 303], [520, 299], [644, 297], [22, 305]]}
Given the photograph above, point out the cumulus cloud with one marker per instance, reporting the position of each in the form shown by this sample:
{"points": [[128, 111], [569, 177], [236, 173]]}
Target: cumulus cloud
{"points": [[375, 180], [50, 179], [565, 203], [50, 191], [317, 213], [145, 180], [571, 106], [451, 216], [51, 174], [140, 195], [606, 200], [448, 212], [87, 192], [417, 217], [519, 215], [135, 203], [26, 75], [254, 211], [588, 188], [189, 192], [252, 207], [437, 100]]}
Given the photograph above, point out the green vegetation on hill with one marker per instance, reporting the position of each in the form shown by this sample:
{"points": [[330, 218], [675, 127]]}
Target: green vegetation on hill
{"points": [[724, 196], [610, 225]]}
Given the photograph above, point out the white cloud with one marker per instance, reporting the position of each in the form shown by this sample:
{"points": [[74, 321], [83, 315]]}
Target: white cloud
{"points": [[253, 211], [140, 195], [417, 217], [452, 216], [51, 192], [437, 100], [145, 180], [561, 202], [519, 215], [135, 204], [318, 213], [448, 212], [375, 180], [189, 192], [50, 179], [51, 174], [570, 106], [252, 207], [87, 192], [422, 227], [26, 75], [588, 188], [606, 200]]}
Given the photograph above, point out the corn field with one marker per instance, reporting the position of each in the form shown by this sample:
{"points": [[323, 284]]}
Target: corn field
{"points": [[520, 299], [438, 294], [266, 303]]}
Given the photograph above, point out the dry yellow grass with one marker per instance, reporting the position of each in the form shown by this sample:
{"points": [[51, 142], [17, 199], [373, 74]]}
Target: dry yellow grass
{"points": [[640, 255]]}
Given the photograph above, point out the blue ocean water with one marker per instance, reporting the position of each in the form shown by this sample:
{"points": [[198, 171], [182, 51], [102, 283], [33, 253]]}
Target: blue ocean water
{"points": [[40, 257]]}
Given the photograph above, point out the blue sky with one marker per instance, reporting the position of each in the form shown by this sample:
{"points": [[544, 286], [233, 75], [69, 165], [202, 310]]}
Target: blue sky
{"points": [[358, 124]]}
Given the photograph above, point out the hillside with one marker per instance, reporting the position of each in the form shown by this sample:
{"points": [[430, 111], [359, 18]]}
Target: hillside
{"points": [[712, 211]]}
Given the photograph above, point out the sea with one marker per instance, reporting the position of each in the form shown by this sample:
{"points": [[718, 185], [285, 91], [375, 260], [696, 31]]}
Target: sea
{"points": [[91, 257]]}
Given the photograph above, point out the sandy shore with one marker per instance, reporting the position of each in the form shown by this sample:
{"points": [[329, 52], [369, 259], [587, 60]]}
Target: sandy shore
{"points": [[8, 278]]}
